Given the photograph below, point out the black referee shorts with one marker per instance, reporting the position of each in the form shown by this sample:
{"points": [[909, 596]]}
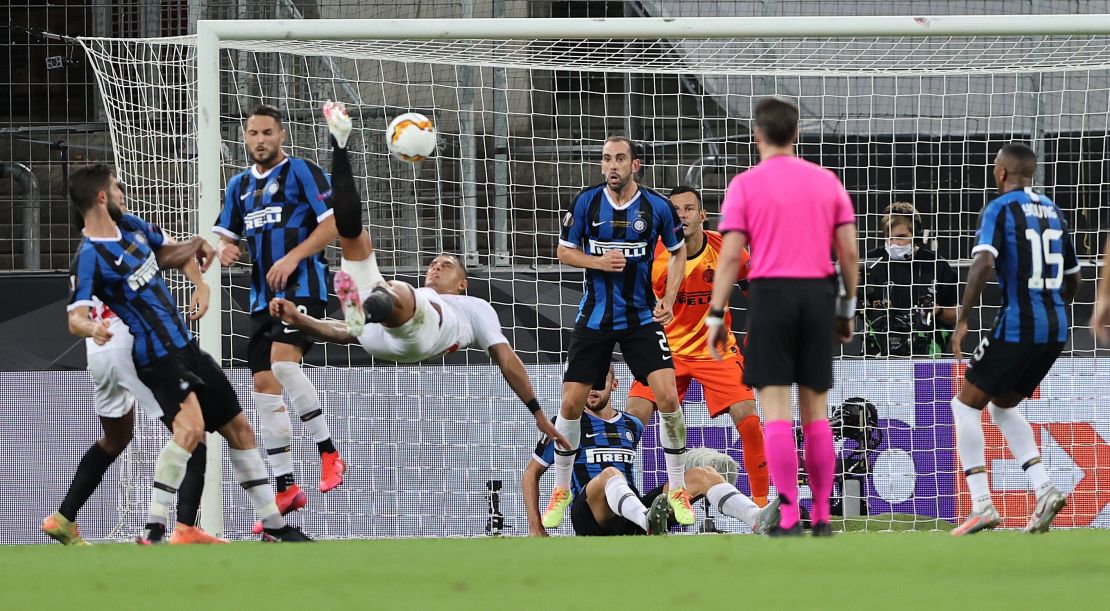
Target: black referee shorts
{"points": [[791, 329], [645, 350], [187, 370], [999, 367]]}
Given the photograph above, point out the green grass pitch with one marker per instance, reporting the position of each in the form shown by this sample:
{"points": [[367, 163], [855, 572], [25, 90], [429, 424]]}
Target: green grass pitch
{"points": [[858, 570]]}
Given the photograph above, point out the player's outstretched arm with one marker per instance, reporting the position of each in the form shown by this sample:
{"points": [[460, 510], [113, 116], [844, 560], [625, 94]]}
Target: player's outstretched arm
{"points": [[976, 279], [324, 330], [512, 369], [176, 254], [530, 488]]}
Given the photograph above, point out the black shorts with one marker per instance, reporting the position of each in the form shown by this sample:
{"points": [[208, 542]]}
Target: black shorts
{"points": [[999, 367], [645, 350], [791, 329], [582, 519], [265, 330], [187, 370]]}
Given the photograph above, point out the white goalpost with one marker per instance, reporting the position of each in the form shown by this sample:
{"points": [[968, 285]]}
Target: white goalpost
{"points": [[902, 108]]}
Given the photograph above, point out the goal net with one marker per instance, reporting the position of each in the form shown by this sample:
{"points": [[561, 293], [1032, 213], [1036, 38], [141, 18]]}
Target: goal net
{"points": [[899, 117]]}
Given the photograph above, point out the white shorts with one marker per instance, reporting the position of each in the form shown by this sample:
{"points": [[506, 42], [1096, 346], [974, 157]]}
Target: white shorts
{"points": [[426, 335], [118, 385]]}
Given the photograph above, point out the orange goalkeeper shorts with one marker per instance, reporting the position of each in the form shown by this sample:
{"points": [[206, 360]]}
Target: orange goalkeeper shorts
{"points": [[721, 382]]}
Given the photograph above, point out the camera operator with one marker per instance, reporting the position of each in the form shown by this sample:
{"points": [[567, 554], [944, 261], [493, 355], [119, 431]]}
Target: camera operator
{"points": [[909, 293]]}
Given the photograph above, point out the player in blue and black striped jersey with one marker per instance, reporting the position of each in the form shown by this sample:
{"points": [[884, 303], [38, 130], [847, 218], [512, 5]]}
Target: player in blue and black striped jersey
{"points": [[1024, 236], [120, 262], [611, 231], [280, 206], [606, 501]]}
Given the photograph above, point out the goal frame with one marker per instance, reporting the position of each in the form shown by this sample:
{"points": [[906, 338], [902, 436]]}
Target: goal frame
{"points": [[210, 34]]}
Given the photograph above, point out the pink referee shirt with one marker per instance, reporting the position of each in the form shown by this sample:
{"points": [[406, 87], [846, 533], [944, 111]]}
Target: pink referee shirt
{"points": [[789, 208]]}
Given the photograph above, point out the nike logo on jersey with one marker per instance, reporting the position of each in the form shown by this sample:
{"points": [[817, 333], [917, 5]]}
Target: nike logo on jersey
{"points": [[119, 260], [289, 330], [591, 435], [598, 223]]}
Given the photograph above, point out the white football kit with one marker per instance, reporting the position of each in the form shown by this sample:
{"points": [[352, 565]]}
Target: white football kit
{"points": [[113, 369], [465, 322]]}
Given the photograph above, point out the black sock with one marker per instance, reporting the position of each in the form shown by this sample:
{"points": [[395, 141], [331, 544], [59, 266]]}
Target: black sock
{"points": [[154, 531], [344, 194], [325, 446], [379, 305], [188, 494], [89, 473], [284, 481]]}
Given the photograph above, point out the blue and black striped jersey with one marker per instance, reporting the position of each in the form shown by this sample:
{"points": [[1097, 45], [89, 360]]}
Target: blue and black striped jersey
{"points": [[123, 273], [604, 443], [275, 211], [1029, 238], [614, 301]]}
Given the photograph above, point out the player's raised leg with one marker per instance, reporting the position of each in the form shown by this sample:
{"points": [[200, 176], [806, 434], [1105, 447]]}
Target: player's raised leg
{"points": [[359, 268]]}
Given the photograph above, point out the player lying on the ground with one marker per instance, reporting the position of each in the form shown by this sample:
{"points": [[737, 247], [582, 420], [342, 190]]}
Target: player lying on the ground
{"points": [[724, 391], [407, 324], [605, 502], [1024, 236], [120, 262]]}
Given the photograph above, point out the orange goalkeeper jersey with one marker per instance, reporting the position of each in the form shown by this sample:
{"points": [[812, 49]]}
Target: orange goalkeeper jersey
{"points": [[686, 333]]}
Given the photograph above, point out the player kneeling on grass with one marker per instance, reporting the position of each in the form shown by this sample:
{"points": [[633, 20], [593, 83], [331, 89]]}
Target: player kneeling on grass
{"points": [[120, 261], [605, 502], [406, 324]]}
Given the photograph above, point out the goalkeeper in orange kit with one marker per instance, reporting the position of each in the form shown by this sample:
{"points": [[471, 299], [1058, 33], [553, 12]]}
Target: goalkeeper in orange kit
{"points": [[686, 333]]}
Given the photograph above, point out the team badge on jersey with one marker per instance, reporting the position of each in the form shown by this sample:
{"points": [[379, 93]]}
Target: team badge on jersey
{"points": [[639, 225], [708, 275], [273, 188]]}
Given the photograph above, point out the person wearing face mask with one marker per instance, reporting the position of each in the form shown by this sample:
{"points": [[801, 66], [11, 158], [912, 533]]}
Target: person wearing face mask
{"points": [[909, 292]]}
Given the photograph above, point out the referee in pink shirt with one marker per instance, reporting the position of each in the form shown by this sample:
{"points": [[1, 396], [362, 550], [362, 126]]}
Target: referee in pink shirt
{"points": [[793, 214]]}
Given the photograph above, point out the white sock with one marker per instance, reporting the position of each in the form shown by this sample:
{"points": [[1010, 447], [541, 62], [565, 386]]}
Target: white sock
{"points": [[1019, 436], [277, 437], [625, 503], [971, 448], [672, 436], [365, 273], [169, 472], [250, 472], [564, 460], [731, 502], [303, 399]]}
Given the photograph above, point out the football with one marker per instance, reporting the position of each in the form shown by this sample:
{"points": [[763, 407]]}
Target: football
{"points": [[411, 137]]}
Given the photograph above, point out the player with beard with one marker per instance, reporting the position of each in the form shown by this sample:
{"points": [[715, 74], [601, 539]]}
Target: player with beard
{"points": [[280, 206], [605, 500]]}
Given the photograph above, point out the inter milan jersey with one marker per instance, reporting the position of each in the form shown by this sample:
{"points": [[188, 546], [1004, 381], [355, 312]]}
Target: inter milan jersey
{"points": [[1033, 250], [124, 274], [604, 443], [275, 211], [615, 301]]}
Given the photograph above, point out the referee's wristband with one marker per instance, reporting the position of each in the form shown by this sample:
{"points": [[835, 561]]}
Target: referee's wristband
{"points": [[716, 318], [533, 406], [846, 307]]}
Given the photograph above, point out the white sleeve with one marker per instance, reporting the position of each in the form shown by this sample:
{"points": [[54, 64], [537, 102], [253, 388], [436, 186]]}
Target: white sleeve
{"points": [[484, 321]]}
